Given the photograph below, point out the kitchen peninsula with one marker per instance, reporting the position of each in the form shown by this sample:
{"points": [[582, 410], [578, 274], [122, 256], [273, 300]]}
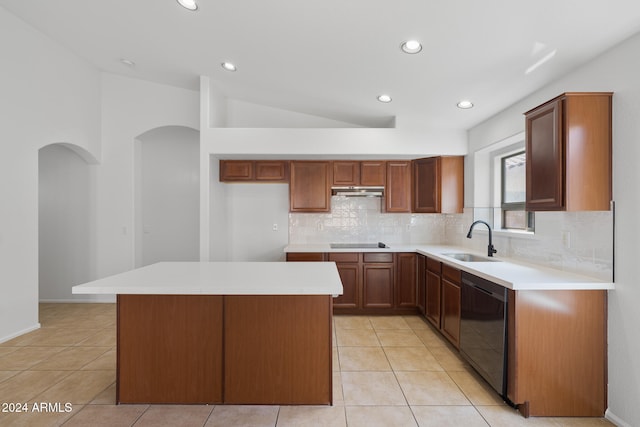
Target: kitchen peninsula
{"points": [[223, 332], [551, 337]]}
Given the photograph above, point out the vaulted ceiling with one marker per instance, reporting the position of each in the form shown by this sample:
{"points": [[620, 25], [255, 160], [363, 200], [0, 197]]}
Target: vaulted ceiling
{"points": [[332, 58]]}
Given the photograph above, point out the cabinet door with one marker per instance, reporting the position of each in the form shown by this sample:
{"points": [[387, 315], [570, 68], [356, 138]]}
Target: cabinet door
{"points": [[545, 162], [426, 185], [373, 173], [398, 186], [433, 303], [309, 189], [236, 170], [346, 173], [377, 286], [452, 184], [272, 171], [350, 277], [451, 312], [421, 283], [406, 289], [173, 358]]}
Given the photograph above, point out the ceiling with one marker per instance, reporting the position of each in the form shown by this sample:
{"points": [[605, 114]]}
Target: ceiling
{"points": [[332, 58]]}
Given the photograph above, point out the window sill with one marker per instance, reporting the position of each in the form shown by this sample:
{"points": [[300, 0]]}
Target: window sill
{"points": [[518, 234]]}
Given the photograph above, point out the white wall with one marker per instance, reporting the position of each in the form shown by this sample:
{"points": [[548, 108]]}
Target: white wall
{"points": [[614, 71], [167, 226], [48, 96], [242, 114], [51, 96], [305, 136], [252, 210], [130, 107]]}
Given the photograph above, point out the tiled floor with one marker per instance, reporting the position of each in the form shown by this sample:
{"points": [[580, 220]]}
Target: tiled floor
{"points": [[388, 371]]}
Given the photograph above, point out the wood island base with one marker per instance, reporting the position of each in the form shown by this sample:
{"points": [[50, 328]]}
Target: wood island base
{"points": [[229, 349]]}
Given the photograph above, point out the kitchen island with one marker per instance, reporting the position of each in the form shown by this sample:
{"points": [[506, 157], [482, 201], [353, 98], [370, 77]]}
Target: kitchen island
{"points": [[223, 332]]}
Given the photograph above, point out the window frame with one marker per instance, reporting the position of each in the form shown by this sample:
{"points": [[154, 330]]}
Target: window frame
{"points": [[512, 206]]}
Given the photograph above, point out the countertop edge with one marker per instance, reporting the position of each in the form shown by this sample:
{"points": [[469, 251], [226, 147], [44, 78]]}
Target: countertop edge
{"points": [[220, 278], [553, 279]]}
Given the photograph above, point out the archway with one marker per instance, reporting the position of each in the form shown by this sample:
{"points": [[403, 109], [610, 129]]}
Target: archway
{"points": [[167, 198], [65, 221]]}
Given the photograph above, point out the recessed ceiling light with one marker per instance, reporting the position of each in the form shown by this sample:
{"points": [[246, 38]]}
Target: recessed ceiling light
{"points": [[128, 62], [411, 46], [465, 104], [384, 98], [188, 4], [228, 66]]}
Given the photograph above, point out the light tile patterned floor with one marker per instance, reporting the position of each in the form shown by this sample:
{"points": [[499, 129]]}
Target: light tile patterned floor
{"points": [[388, 371]]}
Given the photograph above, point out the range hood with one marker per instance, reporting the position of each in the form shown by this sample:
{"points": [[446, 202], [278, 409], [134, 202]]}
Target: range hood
{"points": [[357, 191]]}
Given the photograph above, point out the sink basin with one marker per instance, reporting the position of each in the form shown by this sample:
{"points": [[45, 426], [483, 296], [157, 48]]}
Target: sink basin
{"points": [[471, 257]]}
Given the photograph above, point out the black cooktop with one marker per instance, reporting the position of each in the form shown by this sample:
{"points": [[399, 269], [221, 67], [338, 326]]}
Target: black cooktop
{"points": [[357, 245]]}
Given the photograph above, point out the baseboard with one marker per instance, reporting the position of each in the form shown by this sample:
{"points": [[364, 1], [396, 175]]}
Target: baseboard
{"points": [[22, 332], [615, 419]]}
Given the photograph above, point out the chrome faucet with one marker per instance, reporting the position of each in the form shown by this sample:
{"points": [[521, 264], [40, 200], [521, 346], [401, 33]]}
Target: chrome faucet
{"points": [[490, 249]]}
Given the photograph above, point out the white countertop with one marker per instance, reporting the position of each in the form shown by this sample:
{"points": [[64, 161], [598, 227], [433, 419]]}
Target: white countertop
{"points": [[509, 273], [222, 278]]}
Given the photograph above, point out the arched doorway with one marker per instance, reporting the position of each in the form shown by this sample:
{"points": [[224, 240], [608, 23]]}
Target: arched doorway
{"points": [[167, 198], [65, 221]]}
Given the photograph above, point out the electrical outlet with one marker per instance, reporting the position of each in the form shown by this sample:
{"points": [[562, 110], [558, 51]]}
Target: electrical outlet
{"points": [[275, 227], [566, 239]]}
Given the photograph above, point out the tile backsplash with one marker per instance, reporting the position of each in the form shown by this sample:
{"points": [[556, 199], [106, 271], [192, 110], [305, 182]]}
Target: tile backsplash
{"points": [[579, 242], [360, 219]]}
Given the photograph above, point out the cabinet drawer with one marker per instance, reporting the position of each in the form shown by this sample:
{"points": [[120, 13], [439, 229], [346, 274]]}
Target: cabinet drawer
{"points": [[451, 274], [305, 256], [343, 256], [378, 257], [434, 266]]}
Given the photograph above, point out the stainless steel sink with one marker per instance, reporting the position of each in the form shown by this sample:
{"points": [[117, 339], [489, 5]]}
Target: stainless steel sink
{"points": [[470, 257]]}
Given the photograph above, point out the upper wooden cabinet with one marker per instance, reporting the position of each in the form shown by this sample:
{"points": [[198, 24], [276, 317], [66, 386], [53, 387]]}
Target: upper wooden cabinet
{"points": [[373, 172], [346, 173], [398, 186], [359, 173], [568, 146], [254, 171], [236, 170], [310, 186], [438, 185], [272, 171]]}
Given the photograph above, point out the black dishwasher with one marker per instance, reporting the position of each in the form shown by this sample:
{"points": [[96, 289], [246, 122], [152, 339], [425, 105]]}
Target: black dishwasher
{"points": [[483, 329]]}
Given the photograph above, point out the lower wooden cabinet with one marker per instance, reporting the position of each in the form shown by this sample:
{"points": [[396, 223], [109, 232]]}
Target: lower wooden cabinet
{"points": [[557, 352], [433, 291], [442, 306], [377, 285], [450, 321], [372, 282], [348, 265], [421, 283], [406, 276]]}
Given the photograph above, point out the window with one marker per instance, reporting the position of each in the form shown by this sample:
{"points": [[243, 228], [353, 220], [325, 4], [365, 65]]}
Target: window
{"points": [[513, 177]]}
